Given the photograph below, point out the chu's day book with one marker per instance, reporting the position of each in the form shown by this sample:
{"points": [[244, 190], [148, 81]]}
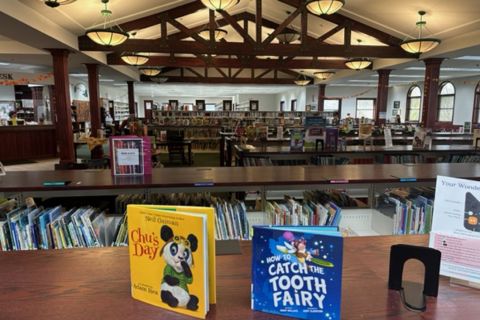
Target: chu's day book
{"points": [[172, 259], [297, 271]]}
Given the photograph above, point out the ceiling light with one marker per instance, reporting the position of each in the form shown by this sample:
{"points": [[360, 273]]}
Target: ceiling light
{"points": [[220, 4], [324, 75], [420, 45], [56, 3], [302, 80], [151, 72], [159, 79], [112, 36], [358, 63], [320, 7], [218, 34], [288, 36], [134, 59]]}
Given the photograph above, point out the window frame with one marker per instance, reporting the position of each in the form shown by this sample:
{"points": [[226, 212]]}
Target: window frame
{"points": [[339, 105], [409, 104], [476, 105], [439, 103], [373, 110]]}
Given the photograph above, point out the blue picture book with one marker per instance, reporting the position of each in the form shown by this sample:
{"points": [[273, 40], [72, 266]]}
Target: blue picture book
{"points": [[297, 271]]}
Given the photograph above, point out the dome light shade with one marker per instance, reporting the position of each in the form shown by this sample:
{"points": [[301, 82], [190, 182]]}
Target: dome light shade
{"points": [[134, 59], [151, 72], [220, 4], [320, 7], [160, 79], [56, 3], [107, 37], [288, 36], [302, 80], [421, 44], [324, 75], [358, 63], [218, 34]]}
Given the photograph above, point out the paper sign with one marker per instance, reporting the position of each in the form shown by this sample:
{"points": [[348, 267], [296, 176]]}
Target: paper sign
{"points": [[128, 157]]}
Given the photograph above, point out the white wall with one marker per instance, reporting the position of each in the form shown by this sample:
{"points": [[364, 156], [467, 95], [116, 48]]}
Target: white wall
{"points": [[465, 93], [7, 93], [266, 102], [300, 94]]}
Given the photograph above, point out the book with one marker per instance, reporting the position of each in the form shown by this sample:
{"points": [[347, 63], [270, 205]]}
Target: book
{"points": [[131, 155], [296, 139], [297, 271], [172, 259]]}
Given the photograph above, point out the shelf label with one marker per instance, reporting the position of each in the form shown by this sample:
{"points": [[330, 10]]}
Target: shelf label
{"points": [[408, 179], [339, 181], [204, 184]]}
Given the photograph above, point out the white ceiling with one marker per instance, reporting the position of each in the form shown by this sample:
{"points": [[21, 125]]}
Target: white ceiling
{"points": [[445, 20]]}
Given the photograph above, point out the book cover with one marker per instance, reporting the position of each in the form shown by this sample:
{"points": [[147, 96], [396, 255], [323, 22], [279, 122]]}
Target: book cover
{"points": [[169, 259], [297, 271], [131, 155], [331, 139], [296, 139]]}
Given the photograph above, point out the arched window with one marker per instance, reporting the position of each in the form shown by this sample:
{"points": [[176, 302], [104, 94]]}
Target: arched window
{"points": [[446, 102], [414, 104], [476, 105]]}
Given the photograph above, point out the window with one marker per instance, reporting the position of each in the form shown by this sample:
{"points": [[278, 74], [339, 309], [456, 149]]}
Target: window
{"points": [[476, 105], [282, 106], [414, 103], [332, 105], [365, 108], [446, 102], [210, 107], [293, 105]]}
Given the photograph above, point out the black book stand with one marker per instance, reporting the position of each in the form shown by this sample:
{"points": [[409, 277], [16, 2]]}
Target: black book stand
{"points": [[413, 297]]}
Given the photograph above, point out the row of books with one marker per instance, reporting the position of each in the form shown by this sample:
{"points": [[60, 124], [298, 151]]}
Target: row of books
{"points": [[31, 228], [410, 208], [459, 158], [329, 160], [405, 158]]}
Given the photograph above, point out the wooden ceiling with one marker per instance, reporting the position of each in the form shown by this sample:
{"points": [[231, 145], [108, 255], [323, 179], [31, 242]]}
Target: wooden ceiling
{"points": [[190, 58]]}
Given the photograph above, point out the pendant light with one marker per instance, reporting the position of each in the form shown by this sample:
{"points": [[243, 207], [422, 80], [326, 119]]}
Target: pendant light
{"points": [[358, 63], [151, 72], [159, 79], [302, 79], [320, 7], [218, 33], [323, 75], [134, 59], [220, 4], [288, 36], [112, 36], [56, 3], [420, 45]]}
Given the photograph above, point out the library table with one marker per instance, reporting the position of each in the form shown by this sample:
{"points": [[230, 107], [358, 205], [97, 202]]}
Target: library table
{"points": [[94, 284]]}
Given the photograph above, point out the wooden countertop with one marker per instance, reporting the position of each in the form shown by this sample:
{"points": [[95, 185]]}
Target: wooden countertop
{"points": [[80, 284], [237, 176], [27, 128]]}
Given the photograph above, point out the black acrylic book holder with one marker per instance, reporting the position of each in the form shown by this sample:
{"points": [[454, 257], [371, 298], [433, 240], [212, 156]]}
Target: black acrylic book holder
{"points": [[413, 297]]}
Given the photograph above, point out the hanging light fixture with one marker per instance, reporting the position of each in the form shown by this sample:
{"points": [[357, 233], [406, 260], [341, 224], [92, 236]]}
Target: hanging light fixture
{"points": [[320, 7], [112, 36], [134, 59], [151, 72], [420, 45], [218, 34], [220, 4], [56, 3], [302, 79], [288, 36], [159, 79], [358, 63], [323, 75]]}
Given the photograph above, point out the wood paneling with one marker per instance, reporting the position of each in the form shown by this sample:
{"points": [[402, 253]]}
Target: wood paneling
{"points": [[27, 142]]}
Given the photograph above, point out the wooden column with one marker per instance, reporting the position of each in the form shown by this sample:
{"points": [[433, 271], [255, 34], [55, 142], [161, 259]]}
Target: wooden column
{"points": [[52, 115], [95, 119], [62, 106], [321, 96], [430, 92], [37, 97], [382, 96], [131, 98]]}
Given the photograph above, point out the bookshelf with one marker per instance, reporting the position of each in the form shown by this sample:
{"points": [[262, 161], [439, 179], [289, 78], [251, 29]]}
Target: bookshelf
{"points": [[367, 180]]}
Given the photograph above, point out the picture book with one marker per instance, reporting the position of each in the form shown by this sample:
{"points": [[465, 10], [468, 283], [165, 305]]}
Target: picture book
{"points": [[169, 257], [131, 155], [296, 139], [297, 271]]}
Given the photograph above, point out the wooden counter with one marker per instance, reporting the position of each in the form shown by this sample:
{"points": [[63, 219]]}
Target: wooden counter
{"points": [[83, 284], [27, 142], [236, 177]]}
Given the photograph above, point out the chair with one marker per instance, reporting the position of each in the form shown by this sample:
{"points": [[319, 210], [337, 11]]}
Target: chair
{"points": [[176, 147]]}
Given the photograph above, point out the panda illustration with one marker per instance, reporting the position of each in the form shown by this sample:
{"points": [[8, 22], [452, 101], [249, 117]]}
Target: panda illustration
{"points": [[177, 275]]}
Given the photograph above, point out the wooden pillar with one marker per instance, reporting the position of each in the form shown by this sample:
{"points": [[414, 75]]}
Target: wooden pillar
{"points": [[321, 97], [430, 92], [382, 96], [52, 114], [131, 98], [95, 119], [62, 106], [37, 97]]}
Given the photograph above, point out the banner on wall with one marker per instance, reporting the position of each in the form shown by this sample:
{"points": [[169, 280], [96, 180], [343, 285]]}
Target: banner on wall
{"points": [[14, 79]]}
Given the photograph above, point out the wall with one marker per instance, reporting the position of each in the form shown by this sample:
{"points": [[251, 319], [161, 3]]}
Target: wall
{"points": [[300, 94], [465, 89], [348, 94], [266, 102], [7, 93]]}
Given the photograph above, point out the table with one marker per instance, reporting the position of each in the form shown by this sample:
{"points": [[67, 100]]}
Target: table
{"points": [[94, 284], [173, 145]]}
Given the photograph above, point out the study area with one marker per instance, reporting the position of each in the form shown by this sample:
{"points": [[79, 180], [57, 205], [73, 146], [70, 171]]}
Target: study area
{"points": [[239, 159]]}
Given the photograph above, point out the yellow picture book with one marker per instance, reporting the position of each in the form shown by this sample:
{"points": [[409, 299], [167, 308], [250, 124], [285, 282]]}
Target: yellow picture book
{"points": [[169, 257]]}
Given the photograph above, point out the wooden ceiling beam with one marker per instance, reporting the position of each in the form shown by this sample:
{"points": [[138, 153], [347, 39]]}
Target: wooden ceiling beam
{"points": [[233, 22], [174, 79], [258, 21], [282, 26], [330, 33], [236, 48], [339, 19], [187, 31], [154, 19], [236, 63]]}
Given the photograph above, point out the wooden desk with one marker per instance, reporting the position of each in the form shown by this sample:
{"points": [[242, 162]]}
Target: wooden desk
{"points": [[94, 284], [27, 142]]}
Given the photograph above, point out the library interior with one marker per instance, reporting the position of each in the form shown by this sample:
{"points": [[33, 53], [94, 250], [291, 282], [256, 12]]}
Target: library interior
{"points": [[263, 150]]}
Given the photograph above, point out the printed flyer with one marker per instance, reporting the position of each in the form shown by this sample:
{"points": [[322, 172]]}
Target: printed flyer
{"points": [[456, 227]]}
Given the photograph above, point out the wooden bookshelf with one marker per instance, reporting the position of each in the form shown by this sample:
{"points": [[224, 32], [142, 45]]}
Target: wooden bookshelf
{"points": [[82, 284]]}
